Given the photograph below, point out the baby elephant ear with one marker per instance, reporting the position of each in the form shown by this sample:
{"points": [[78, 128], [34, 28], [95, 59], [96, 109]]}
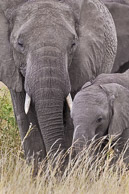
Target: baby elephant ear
{"points": [[9, 73], [119, 103]]}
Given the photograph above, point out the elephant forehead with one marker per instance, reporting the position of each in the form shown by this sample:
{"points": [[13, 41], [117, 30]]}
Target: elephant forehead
{"points": [[87, 103], [45, 19], [89, 110], [45, 11], [92, 95]]}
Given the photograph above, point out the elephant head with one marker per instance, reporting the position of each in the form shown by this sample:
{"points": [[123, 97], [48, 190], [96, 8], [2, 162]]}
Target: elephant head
{"points": [[100, 110], [45, 46]]}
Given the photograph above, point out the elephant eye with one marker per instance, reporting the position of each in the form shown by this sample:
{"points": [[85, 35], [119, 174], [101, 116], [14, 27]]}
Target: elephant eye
{"points": [[73, 44], [20, 44], [61, 1], [99, 120]]}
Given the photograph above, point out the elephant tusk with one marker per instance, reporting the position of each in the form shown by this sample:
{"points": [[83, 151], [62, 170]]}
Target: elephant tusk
{"points": [[69, 101], [27, 103]]}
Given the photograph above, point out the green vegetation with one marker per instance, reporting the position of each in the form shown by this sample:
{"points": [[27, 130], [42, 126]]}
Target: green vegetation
{"points": [[9, 135], [81, 176]]}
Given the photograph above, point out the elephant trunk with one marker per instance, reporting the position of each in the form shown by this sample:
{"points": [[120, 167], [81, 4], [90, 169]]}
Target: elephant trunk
{"points": [[50, 118], [47, 82], [82, 137]]}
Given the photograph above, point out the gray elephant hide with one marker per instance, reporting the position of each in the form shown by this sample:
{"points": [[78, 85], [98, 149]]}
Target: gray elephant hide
{"points": [[101, 108]]}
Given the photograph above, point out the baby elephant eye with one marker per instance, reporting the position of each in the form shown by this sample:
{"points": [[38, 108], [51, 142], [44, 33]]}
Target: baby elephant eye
{"points": [[99, 120]]}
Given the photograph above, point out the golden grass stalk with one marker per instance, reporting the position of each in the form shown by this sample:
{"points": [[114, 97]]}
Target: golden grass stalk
{"points": [[83, 174], [89, 172]]}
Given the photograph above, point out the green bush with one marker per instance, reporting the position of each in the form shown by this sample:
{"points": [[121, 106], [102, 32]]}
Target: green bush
{"points": [[9, 134]]}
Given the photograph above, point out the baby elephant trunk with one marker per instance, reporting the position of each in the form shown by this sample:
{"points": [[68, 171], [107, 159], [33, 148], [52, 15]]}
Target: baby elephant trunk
{"points": [[82, 138]]}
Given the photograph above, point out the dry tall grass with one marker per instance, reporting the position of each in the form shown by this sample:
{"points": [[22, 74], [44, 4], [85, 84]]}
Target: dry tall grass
{"points": [[82, 176]]}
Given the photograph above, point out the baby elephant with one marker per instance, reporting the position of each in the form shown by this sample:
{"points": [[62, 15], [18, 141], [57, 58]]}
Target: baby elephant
{"points": [[101, 107]]}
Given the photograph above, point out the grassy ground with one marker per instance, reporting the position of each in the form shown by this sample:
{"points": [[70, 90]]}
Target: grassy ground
{"points": [[80, 177]]}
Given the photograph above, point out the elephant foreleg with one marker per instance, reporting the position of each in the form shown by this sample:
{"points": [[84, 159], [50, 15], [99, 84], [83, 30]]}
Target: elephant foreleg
{"points": [[68, 126], [33, 144]]}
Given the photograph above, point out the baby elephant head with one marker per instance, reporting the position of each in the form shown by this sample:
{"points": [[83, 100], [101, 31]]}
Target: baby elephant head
{"points": [[98, 111]]}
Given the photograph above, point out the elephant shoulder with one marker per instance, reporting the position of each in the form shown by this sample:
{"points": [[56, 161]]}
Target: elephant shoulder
{"points": [[120, 14]]}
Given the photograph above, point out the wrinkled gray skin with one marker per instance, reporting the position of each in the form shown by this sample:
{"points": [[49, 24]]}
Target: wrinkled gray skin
{"points": [[49, 48], [101, 108], [120, 13], [124, 2]]}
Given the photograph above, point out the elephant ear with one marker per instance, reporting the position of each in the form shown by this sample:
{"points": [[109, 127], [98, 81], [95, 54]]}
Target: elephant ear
{"points": [[97, 43], [119, 102], [120, 14], [9, 73]]}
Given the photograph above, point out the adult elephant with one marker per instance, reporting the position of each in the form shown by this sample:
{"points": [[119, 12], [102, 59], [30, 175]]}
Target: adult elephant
{"points": [[37, 41], [101, 108], [120, 13]]}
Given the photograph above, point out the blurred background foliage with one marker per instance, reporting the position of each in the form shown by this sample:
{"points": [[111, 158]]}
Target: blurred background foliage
{"points": [[9, 134]]}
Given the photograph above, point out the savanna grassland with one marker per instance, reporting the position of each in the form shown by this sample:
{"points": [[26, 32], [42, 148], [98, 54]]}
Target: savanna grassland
{"points": [[80, 177]]}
